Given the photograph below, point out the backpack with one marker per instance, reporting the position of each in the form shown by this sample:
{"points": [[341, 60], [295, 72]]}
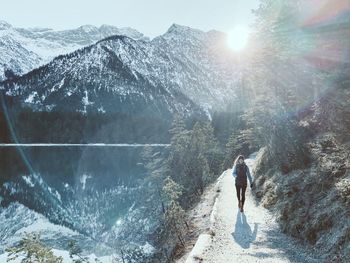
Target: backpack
{"points": [[241, 171]]}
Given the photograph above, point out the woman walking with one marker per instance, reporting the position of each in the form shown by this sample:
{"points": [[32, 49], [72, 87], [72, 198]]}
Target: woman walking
{"points": [[240, 172]]}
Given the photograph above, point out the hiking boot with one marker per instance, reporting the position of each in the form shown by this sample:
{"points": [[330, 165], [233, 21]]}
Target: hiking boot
{"points": [[241, 207]]}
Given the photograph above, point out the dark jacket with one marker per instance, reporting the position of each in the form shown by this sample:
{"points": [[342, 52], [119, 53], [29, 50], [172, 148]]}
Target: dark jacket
{"points": [[241, 172]]}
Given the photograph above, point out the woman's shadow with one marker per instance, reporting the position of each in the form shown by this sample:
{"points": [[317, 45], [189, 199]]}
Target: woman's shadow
{"points": [[243, 234]]}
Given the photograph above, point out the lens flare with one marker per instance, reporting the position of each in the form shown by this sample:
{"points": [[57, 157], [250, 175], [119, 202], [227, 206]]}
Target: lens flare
{"points": [[237, 38]]}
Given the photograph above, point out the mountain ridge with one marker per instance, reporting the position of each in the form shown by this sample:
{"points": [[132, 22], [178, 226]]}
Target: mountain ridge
{"points": [[43, 44]]}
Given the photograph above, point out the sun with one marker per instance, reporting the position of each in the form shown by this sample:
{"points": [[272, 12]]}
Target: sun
{"points": [[237, 38]]}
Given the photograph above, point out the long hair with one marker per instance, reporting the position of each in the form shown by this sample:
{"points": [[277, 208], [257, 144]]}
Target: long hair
{"points": [[238, 157]]}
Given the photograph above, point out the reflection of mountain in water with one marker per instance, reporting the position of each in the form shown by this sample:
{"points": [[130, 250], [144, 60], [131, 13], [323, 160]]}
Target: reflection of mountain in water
{"points": [[99, 192], [105, 194]]}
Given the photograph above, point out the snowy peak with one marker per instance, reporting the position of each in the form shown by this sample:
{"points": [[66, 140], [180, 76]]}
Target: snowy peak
{"points": [[108, 30], [176, 29], [180, 32], [23, 49], [4, 25], [39, 29], [117, 74], [184, 62], [88, 28]]}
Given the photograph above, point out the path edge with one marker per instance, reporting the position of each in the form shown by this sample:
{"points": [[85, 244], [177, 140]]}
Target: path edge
{"points": [[205, 240]]}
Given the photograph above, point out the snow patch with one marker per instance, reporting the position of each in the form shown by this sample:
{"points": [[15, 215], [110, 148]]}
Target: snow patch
{"points": [[101, 109], [213, 214], [58, 86], [202, 243], [28, 180], [119, 222], [44, 226], [83, 179], [88, 28], [10, 187], [148, 248], [31, 97], [86, 102]]}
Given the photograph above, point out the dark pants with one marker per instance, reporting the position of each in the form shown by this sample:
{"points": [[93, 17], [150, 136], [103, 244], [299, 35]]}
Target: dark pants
{"points": [[240, 189]]}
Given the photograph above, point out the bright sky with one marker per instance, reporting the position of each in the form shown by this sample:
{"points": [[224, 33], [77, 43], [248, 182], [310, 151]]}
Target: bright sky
{"points": [[151, 17]]}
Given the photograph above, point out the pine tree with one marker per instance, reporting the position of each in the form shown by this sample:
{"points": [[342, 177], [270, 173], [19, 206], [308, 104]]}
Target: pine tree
{"points": [[177, 160], [194, 158], [174, 216], [32, 250], [205, 155], [237, 144], [75, 253]]}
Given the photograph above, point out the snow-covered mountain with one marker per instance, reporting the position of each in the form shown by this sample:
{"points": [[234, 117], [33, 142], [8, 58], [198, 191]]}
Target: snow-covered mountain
{"points": [[25, 49], [118, 74], [174, 71], [211, 79]]}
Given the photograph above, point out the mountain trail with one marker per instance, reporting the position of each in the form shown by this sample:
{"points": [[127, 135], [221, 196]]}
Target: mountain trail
{"points": [[251, 236]]}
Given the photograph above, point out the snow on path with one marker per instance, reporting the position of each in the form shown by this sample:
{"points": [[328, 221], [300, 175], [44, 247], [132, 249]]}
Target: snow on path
{"points": [[252, 236]]}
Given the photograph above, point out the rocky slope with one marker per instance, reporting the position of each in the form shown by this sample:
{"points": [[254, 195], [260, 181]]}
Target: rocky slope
{"points": [[313, 203]]}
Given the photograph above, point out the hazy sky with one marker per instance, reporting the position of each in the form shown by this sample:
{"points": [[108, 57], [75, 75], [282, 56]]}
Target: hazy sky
{"points": [[151, 17]]}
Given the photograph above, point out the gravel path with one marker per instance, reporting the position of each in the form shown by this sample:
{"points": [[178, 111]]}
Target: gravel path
{"points": [[252, 236]]}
